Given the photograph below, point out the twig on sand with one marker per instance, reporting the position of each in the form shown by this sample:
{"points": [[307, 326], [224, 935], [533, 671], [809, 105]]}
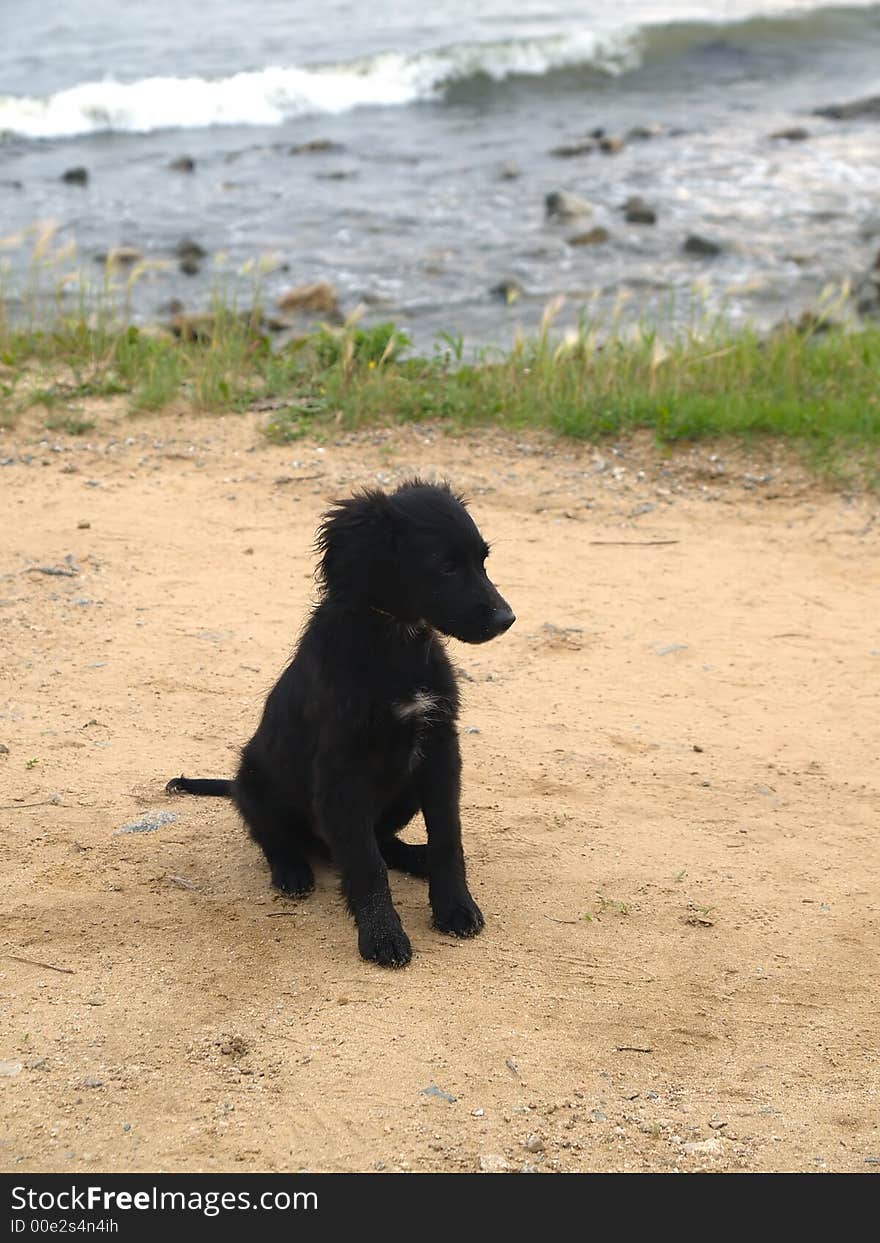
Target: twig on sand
{"points": [[46, 802], [633, 1048], [632, 543], [35, 962]]}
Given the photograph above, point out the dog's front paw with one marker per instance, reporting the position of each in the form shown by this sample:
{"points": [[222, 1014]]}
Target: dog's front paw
{"points": [[459, 916], [385, 944]]}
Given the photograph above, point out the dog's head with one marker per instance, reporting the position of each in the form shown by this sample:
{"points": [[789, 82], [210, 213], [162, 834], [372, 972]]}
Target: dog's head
{"points": [[415, 554]]}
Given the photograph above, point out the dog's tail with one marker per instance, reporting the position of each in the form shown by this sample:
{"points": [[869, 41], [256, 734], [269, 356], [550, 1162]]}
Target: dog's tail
{"points": [[199, 785]]}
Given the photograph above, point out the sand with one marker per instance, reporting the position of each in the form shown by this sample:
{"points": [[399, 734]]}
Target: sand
{"points": [[670, 809]]}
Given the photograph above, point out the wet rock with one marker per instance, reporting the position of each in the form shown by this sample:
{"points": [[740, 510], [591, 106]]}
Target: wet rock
{"points": [[868, 107], [561, 205], [696, 244], [318, 298], [173, 306], [78, 176], [571, 150], [120, 257], [200, 326], [183, 164], [12, 185], [610, 146], [637, 211], [866, 292], [792, 133], [509, 171], [187, 248], [641, 133], [189, 267], [317, 146], [592, 237], [508, 290]]}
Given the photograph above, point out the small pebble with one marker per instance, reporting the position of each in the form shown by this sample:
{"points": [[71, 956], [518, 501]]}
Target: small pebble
{"points": [[494, 1163], [148, 823]]}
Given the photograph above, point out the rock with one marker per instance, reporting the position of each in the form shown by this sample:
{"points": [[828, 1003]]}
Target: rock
{"points": [[561, 205], [705, 1147], [641, 133], [78, 176], [186, 248], [173, 306], [508, 290], [592, 237], [610, 146], [509, 171], [189, 267], [569, 151], [4, 750], [147, 823], [793, 133], [637, 211], [200, 325], [183, 164], [12, 185], [316, 147], [318, 298], [8, 1070], [439, 1094], [121, 257], [695, 244], [866, 292], [868, 107], [533, 1143], [494, 1163]]}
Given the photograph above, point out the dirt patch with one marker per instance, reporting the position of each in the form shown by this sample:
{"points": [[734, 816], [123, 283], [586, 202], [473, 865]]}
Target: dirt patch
{"points": [[670, 813]]}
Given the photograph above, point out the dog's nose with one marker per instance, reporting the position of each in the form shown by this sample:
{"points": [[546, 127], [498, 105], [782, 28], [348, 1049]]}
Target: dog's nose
{"points": [[503, 619]]}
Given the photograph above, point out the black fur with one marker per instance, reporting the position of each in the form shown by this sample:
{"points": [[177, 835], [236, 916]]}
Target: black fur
{"points": [[358, 734]]}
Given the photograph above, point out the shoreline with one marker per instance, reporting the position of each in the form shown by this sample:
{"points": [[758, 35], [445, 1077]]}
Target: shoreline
{"points": [[814, 382]]}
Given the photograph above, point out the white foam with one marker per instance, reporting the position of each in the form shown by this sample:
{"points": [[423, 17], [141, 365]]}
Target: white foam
{"points": [[270, 96]]}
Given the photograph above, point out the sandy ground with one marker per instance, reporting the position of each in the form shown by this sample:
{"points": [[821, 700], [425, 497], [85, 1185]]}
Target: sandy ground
{"points": [[670, 808]]}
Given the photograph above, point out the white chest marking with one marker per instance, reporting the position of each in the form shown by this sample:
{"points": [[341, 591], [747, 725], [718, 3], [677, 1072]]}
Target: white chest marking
{"points": [[421, 707]]}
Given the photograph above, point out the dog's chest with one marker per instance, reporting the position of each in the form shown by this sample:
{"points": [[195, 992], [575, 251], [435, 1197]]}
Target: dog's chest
{"points": [[421, 709], [416, 714]]}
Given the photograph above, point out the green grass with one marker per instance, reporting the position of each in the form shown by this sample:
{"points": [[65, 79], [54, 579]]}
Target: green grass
{"points": [[815, 384]]}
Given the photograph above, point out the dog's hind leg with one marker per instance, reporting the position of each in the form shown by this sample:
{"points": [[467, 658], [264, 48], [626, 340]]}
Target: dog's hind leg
{"points": [[272, 829], [402, 856]]}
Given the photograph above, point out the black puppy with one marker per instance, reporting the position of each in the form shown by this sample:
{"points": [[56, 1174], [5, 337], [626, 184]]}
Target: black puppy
{"points": [[359, 734]]}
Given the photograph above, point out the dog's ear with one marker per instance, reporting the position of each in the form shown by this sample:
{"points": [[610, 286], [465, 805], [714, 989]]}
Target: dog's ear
{"points": [[354, 538]]}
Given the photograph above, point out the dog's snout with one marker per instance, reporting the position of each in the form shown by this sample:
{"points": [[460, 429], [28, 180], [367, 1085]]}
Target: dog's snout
{"points": [[503, 618]]}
